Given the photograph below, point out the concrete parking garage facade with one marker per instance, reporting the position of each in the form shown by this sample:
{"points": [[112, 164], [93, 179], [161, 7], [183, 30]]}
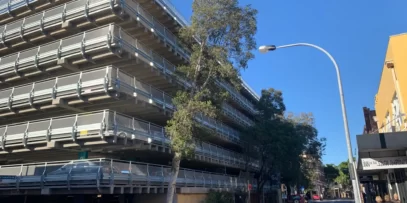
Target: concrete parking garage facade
{"points": [[86, 89]]}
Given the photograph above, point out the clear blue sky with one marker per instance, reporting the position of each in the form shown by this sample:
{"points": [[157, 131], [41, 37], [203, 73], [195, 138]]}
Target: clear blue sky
{"points": [[356, 33]]}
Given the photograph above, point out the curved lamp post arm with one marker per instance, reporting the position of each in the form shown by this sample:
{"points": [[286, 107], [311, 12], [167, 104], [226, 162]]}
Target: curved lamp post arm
{"points": [[353, 170], [338, 75]]}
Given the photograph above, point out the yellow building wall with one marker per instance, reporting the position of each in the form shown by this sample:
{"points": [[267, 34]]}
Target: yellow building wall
{"points": [[396, 52], [399, 44], [191, 198]]}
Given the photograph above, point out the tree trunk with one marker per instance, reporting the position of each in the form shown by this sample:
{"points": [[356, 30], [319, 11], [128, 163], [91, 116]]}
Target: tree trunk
{"points": [[259, 191], [176, 160]]}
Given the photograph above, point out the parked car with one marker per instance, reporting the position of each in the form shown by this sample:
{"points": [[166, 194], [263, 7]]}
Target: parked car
{"points": [[297, 199], [85, 166], [316, 197]]}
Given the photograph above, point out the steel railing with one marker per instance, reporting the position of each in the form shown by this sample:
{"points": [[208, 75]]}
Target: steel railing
{"points": [[236, 115], [102, 173], [41, 22], [11, 10], [238, 97], [167, 5], [84, 45], [105, 123], [50, 19], [95, 82]]}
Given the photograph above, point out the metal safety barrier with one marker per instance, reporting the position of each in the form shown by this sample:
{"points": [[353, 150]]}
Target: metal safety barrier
{"points": [[236, 115], [101, 124], [90, 45], [15, 9], [41, 24], [77, 85], [82, 46], [236, 96], [168, 6], [107, 39], [87, 10], [94, 82], [108, 173]]}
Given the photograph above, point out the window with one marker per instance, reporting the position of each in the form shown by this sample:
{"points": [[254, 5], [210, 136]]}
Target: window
{"points": [[388, 123], [397, 115]]}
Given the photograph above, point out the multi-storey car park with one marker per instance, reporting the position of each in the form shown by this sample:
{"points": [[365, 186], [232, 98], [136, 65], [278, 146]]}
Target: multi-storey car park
{"points": [[96, 78]]}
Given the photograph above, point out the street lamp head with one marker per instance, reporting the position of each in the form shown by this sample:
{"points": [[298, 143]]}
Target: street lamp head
{"points": [[267, 48]]}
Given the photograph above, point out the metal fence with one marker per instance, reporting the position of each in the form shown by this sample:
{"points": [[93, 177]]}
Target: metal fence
{"points": [[109, 173], [236, 115], [86, 44], [40, 24], [14, 9], [94, 82], [101, 124], [245, 103], [167, 5], [49, 20]]}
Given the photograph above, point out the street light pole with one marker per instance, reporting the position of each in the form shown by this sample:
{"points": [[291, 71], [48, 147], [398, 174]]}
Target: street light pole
{"points": [[352, 166]]}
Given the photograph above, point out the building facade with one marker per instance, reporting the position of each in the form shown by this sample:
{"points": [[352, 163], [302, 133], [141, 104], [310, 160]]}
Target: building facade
{"points": [[86, 89], [391, 97], [370, 121], [382, 160], [315, 170]]}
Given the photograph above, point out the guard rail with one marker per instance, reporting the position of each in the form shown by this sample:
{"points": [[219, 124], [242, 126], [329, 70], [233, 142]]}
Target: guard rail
{"points": [[102, 173], [101, 124], [106, 80]]}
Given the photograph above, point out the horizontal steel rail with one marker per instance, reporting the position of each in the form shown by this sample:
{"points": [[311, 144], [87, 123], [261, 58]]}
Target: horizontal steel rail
{"points": [[178, 17], [76, 12], [89, 83], [104, 123], [19, 32], [168, 6], [14, 9], [77, 85], [81, 46], [93, 82], [108, 173], [236, 115], [110, 39], [236, 96]]}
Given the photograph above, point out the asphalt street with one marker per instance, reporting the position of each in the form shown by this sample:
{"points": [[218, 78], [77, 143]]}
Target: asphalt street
{"points": [[335, 201]]}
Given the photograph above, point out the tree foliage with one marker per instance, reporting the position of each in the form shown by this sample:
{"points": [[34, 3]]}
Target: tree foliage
{"points": [[338, 174], [278, 141], [331, 172], [221, 40], [219, 197], [343, 178]]}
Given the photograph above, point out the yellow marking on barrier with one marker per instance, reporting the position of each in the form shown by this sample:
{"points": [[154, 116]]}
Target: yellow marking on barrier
{"points": [[83, 133]]}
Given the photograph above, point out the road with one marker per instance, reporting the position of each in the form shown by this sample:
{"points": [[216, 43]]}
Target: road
{"points": [[335, 201]]}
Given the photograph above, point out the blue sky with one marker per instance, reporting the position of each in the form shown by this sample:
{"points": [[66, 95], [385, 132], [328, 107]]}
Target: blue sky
{"points": [[356, 33]]}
